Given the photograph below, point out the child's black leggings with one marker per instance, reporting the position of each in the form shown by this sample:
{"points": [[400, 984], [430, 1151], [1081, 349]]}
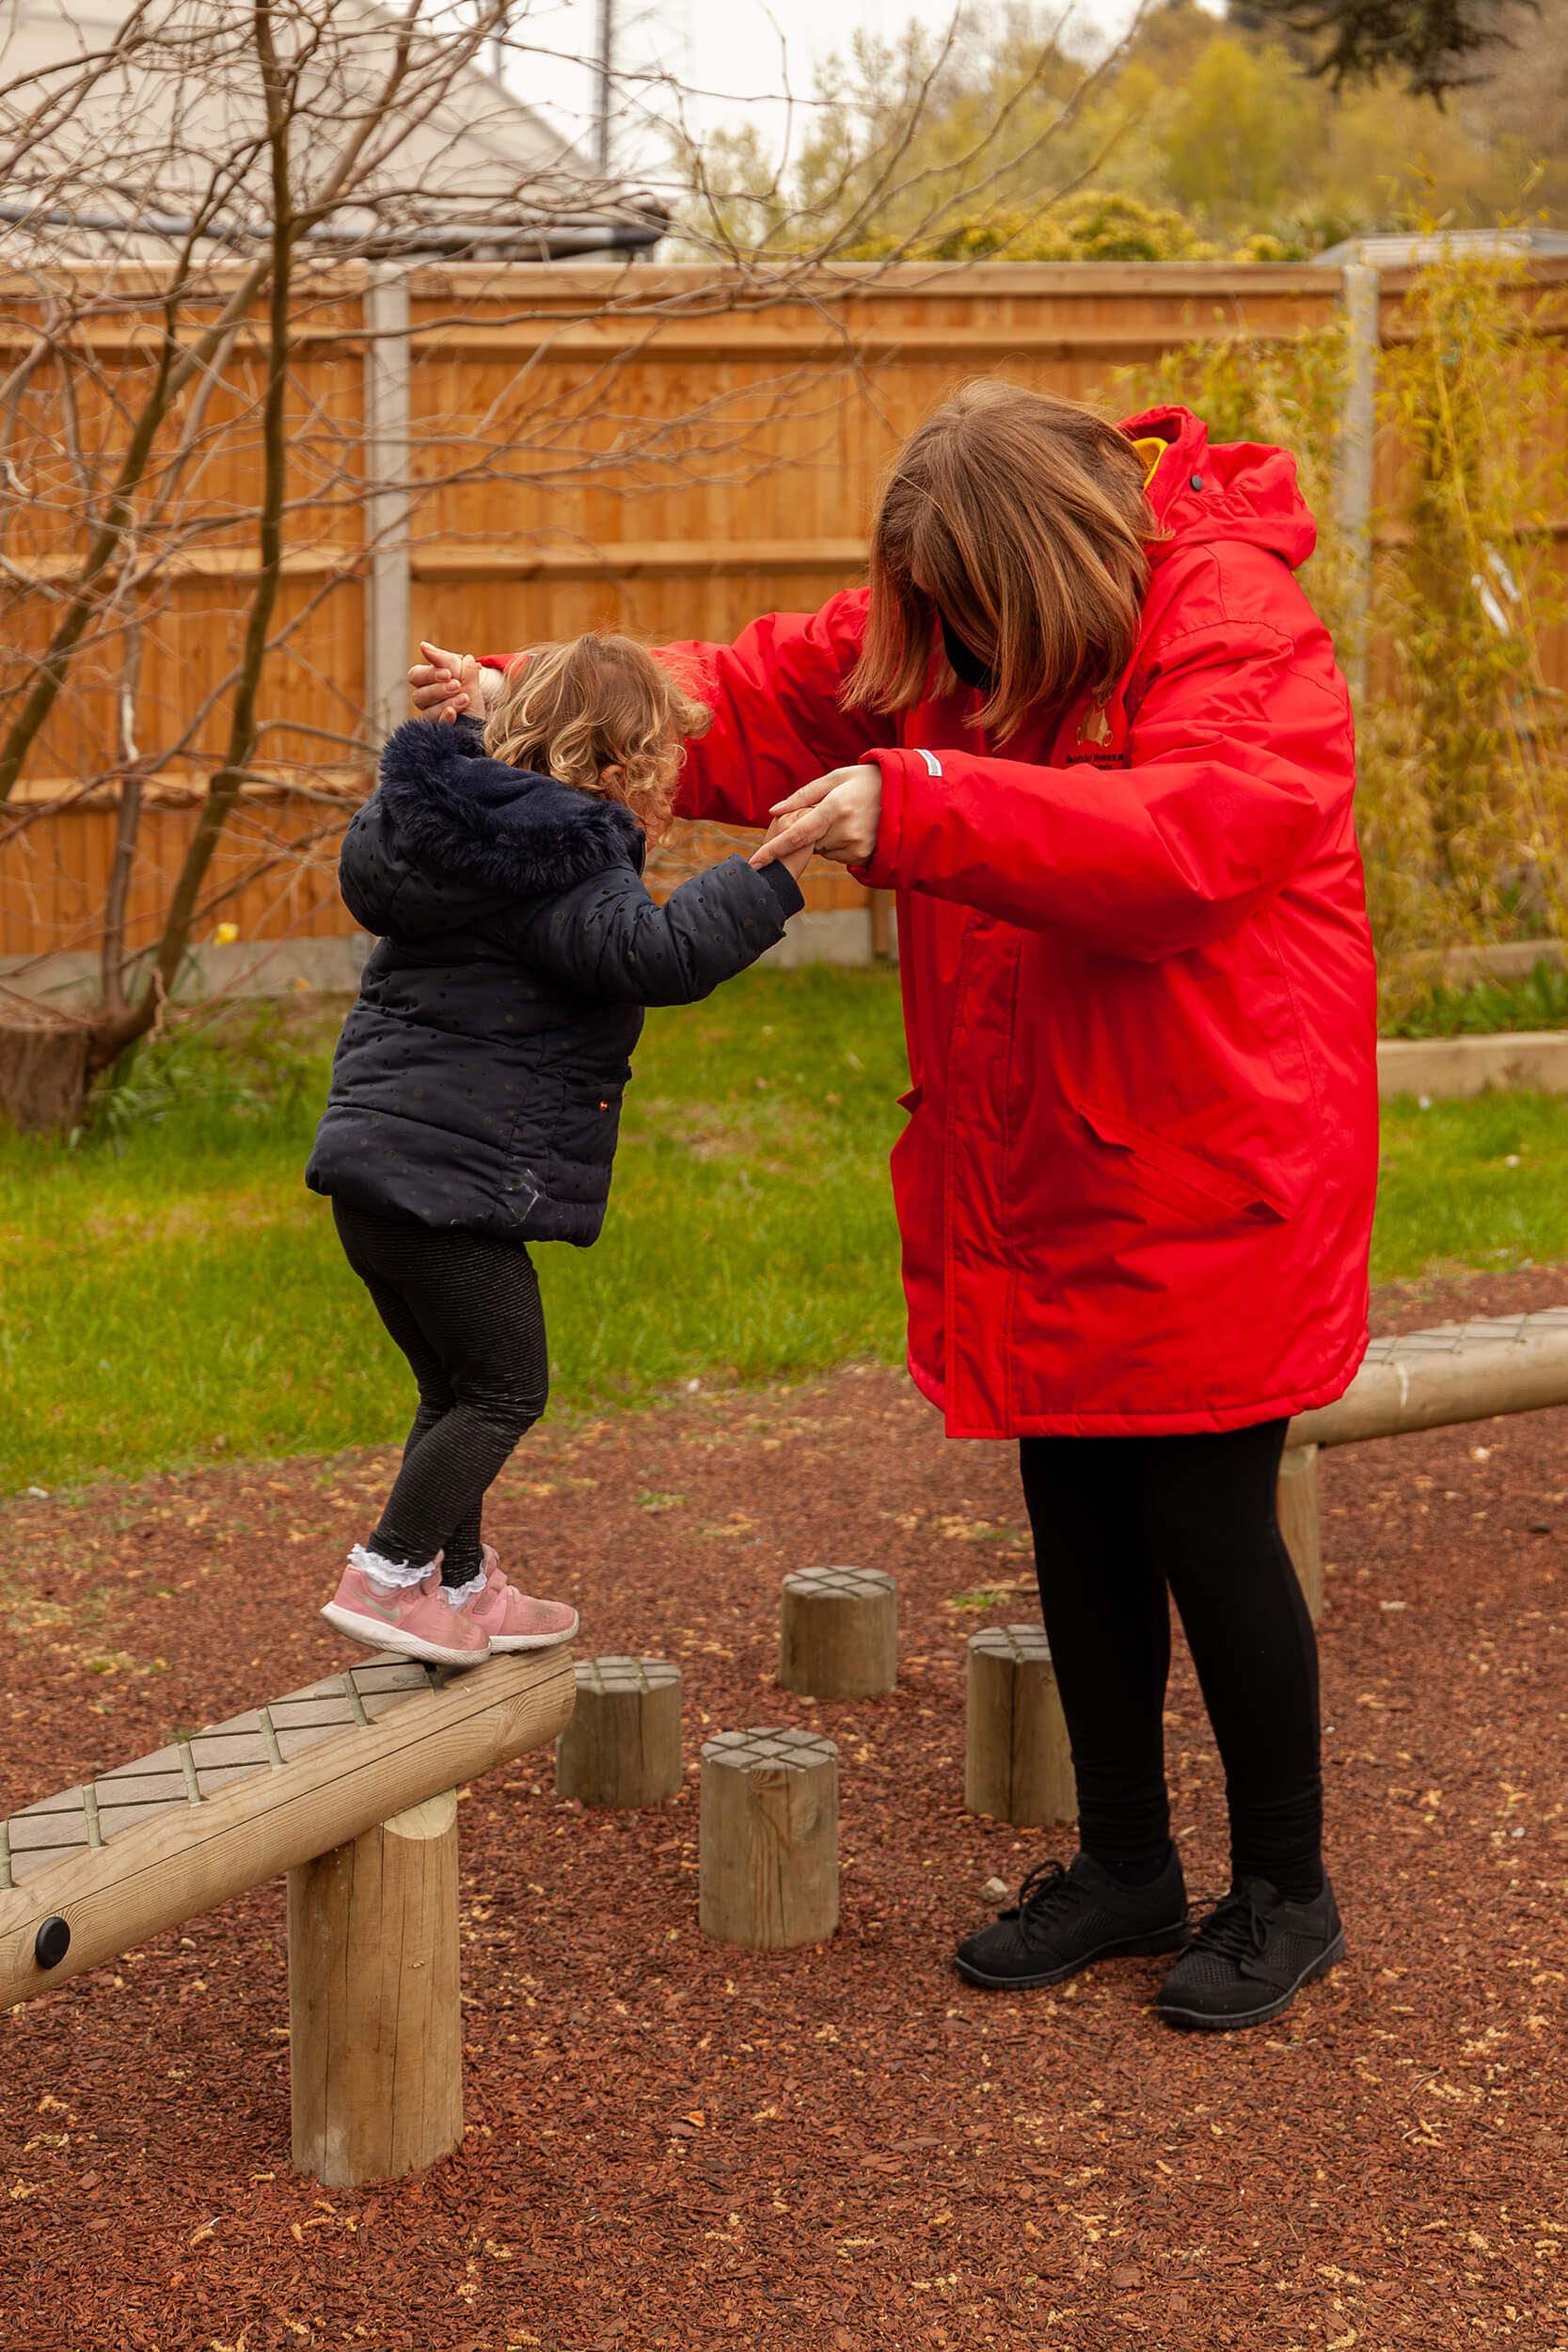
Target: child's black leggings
{"points": [[467, 1313], [1119, 1522]]}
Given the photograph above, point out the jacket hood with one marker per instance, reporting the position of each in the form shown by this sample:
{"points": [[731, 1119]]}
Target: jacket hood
{"points": [[452, 834], [1203, 492]]}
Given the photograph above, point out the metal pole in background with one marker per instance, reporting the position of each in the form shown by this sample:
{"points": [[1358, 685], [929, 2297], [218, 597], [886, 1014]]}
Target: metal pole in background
{"points": [[497, 46], [604, 77], [1360, 293], [387, 500]]}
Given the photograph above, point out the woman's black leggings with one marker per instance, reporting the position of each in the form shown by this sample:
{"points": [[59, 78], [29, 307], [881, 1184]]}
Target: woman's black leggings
{"points": [[467, 1313], [1119, 1522]]}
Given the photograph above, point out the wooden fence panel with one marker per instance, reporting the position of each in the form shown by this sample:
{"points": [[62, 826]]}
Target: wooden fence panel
{"points": [[676, 475]]}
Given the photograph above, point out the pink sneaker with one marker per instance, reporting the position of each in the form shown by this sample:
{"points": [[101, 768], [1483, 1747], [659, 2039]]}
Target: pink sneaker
{"points": [[412, 1619], [512, 1620]]}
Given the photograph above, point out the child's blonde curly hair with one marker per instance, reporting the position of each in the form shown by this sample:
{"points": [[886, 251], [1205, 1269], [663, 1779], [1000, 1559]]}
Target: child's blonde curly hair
{"points": [[601, 712]]}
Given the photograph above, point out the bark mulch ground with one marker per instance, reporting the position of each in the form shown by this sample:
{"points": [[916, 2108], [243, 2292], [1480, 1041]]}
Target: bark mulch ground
{"points": [[675, 2145]]}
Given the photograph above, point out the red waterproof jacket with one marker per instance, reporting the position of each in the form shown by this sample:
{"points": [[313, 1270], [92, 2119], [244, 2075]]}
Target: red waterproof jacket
{"points": [[1135, 1189]]}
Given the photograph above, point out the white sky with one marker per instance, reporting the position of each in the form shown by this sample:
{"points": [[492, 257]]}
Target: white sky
{"points": [[736, 50]]}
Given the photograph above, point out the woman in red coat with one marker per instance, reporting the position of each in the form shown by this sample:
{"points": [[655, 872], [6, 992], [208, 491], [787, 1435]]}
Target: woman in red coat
{"points": [[1086, 726]]}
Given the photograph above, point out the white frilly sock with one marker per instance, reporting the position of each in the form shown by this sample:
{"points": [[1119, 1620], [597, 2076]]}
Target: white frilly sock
{"points": [[455, 1595], [393, 1575]]}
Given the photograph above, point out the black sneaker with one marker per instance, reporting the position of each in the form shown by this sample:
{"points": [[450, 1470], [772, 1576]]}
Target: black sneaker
{"points": [[1064, 1919], [1250, 1958]]}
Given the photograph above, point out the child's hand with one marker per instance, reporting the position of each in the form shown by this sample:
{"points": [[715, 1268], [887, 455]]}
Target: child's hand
{"points": [[793, 861], [471, 679], [445, 685], [839, 816]]}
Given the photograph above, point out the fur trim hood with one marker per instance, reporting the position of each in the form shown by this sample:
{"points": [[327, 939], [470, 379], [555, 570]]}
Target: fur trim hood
{"points": [[452, 834]]}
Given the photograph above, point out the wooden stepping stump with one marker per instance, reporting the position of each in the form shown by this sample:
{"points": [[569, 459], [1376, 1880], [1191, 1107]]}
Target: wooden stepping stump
{"points": [[1300, 1523], [623, 1746], [839, 1633], [1017, 1762], [768, 1851]]}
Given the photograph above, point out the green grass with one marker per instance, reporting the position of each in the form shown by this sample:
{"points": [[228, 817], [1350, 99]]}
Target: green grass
{"points": [[169, 1291], [1472, 1183]]}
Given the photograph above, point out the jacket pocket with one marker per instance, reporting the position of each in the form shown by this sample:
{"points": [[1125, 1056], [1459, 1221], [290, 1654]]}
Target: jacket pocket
{"points": [[1180, 1178]]}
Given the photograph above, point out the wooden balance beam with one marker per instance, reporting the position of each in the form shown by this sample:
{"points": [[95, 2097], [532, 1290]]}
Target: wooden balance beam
{"points": [[1434, 1379], [345, 1785]]}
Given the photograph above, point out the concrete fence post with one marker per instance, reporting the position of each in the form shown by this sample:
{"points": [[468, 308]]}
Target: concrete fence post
{"points": [[1360, 297], [387, 623]]}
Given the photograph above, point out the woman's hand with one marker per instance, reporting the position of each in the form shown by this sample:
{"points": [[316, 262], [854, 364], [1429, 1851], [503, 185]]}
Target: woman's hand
{"points": [[838, 816], [445, 685]]}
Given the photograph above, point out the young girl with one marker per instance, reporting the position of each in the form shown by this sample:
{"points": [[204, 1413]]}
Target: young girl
{"points": [[476, 1090]]}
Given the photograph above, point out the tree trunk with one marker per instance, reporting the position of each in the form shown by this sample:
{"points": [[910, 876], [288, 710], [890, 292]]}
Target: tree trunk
{"points": [[44, 1074]]}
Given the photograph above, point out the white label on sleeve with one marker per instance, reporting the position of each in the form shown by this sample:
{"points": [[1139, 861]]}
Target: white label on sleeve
{"points": [[932, 762]]}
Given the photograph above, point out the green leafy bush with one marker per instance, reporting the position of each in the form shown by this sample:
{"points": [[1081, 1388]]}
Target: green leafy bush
{"points": [[1093, 225], [1484, 1008], [239, 1062]]}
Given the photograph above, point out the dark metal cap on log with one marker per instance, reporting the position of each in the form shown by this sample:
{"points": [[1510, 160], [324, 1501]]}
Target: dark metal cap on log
{"points": [[52, 1940]]}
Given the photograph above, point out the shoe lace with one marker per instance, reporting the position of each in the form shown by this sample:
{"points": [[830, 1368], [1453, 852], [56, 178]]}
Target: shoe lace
{"points": [[1237, 1928], [1044, 1896]]}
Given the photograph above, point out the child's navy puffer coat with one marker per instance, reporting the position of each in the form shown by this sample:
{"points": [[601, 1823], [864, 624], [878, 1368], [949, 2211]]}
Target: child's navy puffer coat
{"points": [[477, 1084]]}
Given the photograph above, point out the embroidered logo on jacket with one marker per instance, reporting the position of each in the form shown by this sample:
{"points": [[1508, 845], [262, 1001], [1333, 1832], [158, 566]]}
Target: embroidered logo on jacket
{"points": [[1101, 740]]}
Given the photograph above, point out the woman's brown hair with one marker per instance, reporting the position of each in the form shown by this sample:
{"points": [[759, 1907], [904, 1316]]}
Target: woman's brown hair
{"points": [[601, 712], [1022, 521]]}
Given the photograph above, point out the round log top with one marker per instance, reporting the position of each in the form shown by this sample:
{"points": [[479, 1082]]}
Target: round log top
{"points": [[844, 1583], [1024, 1644], [601, 1675], [768, 1748]]}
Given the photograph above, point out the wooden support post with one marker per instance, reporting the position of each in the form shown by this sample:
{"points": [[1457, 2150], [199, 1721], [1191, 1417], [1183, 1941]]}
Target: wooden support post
{"points": [[374, 2026], [1299, 1522], [1017, 1762], [623, 1746], [769, 1849], [838, 1636]]}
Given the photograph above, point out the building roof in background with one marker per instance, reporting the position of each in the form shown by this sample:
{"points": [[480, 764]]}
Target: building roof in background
{"points": [[1394, 251], [475, 173]]}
